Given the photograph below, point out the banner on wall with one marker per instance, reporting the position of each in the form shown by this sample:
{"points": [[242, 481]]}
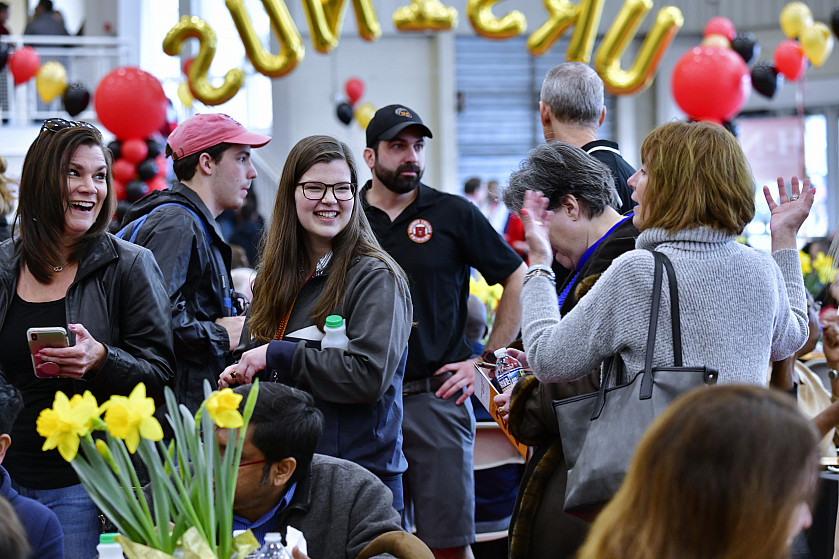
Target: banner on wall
{"points": [[324, 18]]}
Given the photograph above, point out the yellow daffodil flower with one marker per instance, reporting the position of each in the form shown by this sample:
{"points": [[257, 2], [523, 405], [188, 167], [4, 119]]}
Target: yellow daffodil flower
{"points": [[806, 265], [132, 417], [66, 421], [823, 265], [223, 407]]}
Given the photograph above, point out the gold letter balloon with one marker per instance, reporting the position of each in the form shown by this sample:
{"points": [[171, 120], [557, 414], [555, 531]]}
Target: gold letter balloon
{"points": [[607, 62], [487, 25], [291, 44], [425, 15], [324, 17], [199, 85], [563, 14]]}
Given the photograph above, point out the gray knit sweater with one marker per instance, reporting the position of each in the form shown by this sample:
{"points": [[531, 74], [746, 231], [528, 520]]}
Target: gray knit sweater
{"points": [[740, 308]]}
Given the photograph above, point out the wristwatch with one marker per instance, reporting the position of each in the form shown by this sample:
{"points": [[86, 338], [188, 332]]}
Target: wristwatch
{"points": [[833, 374]]}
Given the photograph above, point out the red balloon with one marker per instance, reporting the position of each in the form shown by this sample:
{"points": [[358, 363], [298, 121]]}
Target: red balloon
{"points": [[186, 65], [355, 89], [24, 64], [790, 59], [134, 150], [160, 161], [123, 170], [720, 26], [119, 188], [157, 183], [711, 83], [130, 103]]}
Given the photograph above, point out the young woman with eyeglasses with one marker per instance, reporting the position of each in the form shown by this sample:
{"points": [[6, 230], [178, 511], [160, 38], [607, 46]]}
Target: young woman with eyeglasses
{"points": [[64, 270], [320, 258]]}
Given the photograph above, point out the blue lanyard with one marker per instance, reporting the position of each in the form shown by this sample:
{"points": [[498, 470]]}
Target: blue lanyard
{"points": [[586, 255]]}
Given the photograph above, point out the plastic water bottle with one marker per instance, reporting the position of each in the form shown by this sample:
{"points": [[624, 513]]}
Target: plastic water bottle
{"points": [[108, 548], [273, 548], [335, 333], [507, 369]]}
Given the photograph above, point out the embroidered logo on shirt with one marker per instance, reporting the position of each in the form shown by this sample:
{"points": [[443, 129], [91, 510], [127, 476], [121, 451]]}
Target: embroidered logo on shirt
{"points": [[419, 231]]}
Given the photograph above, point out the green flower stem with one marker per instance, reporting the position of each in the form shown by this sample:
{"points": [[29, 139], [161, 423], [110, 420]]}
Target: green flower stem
{"points": [[160, 496], [211, 453], [130, 481], [180, 496], [96, 476]]}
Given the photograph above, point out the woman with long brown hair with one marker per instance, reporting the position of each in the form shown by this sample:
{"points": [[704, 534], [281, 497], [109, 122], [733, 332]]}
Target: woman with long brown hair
{"points": [[321, 258], [725, 472], [64, 270]]}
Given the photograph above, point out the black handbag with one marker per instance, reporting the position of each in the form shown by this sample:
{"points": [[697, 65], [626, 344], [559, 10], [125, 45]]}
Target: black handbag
{"points": [[600, 430]]}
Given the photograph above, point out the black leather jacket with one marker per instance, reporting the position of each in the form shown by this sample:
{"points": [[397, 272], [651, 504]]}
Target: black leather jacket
{"points": [[118, 295]]}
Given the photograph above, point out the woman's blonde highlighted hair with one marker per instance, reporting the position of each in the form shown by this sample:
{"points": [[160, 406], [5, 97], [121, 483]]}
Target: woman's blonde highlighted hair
{"points": [[697, 175]]}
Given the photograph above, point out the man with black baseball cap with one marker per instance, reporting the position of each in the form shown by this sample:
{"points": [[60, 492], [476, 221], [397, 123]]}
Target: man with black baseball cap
{"points": [[211, 156], [436, 237]]}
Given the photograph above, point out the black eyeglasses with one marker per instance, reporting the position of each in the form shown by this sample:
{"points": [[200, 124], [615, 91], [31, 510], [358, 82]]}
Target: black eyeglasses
{"points": [[56, 124], [342, 191]]}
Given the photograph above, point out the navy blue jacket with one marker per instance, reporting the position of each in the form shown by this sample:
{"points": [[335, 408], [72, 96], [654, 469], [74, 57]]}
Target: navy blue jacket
{"points": [[43, 531]]}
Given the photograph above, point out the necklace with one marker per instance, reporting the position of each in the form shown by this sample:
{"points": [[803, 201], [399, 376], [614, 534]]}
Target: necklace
{"points": [[57, 268]]}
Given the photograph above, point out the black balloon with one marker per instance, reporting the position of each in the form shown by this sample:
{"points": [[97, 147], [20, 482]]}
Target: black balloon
{"points": [[122, 209], [115, 148], [745, 44], [5, 51], [344, 112], [135, 190], [765, 79], [76, 98], [732, 127], [834, 22], [147, 169], [154, 149]]}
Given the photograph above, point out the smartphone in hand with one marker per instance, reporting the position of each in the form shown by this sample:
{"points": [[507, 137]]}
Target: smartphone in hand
{"points": [[39, 338]]}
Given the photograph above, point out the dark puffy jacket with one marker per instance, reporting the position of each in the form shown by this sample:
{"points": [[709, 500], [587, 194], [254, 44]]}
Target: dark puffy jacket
{"points": [[195, 262], [118, 296]]}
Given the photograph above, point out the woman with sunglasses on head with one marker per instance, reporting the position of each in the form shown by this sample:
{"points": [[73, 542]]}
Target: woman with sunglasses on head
{"points": [[64, 270], [320, 258]]}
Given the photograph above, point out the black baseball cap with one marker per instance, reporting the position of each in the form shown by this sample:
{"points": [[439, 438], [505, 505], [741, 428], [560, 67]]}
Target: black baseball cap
{"points": [[390, 121]]}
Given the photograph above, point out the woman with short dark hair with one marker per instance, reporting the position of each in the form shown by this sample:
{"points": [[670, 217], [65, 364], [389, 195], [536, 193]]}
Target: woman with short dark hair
{"points": [[64, 270]]}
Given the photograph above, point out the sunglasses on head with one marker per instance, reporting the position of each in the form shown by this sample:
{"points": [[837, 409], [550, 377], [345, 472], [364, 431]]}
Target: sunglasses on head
{"points": [[56, 124]]}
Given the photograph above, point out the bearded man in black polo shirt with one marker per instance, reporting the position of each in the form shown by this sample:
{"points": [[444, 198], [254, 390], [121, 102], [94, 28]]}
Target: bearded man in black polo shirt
{"points": [[436, 238]]}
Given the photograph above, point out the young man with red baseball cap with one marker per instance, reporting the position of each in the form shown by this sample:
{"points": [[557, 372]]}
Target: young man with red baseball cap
{"points": [[212, 161]]}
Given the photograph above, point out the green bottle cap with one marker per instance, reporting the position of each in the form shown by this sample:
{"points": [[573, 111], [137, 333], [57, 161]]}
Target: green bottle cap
{"points": [[334, 321], [108, 538]]}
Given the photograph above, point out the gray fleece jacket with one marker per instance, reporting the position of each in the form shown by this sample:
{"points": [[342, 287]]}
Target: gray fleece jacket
{"points": [[740, 308]]}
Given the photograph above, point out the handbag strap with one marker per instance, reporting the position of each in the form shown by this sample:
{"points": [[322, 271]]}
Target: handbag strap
{"points": [[675, 317], [658, 274]]}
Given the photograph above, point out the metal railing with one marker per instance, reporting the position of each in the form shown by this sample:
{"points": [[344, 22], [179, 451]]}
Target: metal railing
{"points": [[86, 59]]}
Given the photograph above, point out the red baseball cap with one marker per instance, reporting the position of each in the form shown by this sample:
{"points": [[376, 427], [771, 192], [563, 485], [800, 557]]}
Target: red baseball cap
{"points": [[206, 130]]}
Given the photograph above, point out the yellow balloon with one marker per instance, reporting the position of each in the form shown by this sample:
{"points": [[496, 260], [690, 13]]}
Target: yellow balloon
{"points": [[364, 114], [184, 94], [199, 85], [795, 17], [324, 17], [607, 62], [425, 15], [51, 80], [817, 42], [291, 43], [720, 41], [585, 16], [487, 25]]}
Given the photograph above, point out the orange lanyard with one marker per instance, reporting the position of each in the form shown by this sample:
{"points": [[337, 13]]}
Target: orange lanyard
{"points": [[284, 322]]}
